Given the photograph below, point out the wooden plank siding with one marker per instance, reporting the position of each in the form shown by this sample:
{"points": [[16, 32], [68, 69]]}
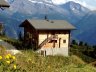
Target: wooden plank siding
{"points": [[64, 35], [30, 34]]}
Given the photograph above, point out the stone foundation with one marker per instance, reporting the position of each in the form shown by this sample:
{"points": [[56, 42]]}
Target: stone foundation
{"points": [[54, 51]]}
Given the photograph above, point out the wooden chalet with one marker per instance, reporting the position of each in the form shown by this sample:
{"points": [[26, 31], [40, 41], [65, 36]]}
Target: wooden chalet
{"points": [[52, 36], [3, 3]]}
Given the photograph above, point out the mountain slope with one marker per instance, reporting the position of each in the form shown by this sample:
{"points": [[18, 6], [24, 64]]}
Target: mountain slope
{"points": [[87, 28], [27, 7], [75, 11], [10, 26], [37, 9]]}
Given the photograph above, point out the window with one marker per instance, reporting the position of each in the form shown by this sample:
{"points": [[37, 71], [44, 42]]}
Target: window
{"points": [[52, 41], [64, 41], [29, 35]]}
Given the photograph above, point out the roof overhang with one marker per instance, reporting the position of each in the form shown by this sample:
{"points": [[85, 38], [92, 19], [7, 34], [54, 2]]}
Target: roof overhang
{"points": [[4, 6], [48, 25], [3, 3]]}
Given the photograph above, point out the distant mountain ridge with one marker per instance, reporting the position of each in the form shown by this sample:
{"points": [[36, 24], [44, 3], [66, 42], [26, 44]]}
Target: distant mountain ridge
{"points": [[87, 28], [73, 12], [27, 7]]}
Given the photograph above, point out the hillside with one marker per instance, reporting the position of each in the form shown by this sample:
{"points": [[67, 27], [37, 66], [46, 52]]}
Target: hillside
{"points": [[30, 61]]}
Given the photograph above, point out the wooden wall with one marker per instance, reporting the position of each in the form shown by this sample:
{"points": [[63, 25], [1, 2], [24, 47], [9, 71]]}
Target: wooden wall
{"points": [[33, 36], [30, 35], [62, 38]]}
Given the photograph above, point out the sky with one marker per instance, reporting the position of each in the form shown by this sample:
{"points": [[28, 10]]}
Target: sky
{"points": [[91, 4]]}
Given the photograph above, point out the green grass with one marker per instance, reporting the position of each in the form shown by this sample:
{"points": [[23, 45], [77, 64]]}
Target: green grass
{"points": [[32, 62], [79, 51]]}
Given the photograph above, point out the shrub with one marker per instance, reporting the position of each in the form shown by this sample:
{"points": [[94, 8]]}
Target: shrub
{"points": [[8, 62]]}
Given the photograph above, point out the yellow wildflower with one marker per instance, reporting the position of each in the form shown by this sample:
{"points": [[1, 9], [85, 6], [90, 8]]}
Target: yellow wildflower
{"points": [[13, 57], [0, 57], [8, 62], [9, 55], [14, 66]]}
